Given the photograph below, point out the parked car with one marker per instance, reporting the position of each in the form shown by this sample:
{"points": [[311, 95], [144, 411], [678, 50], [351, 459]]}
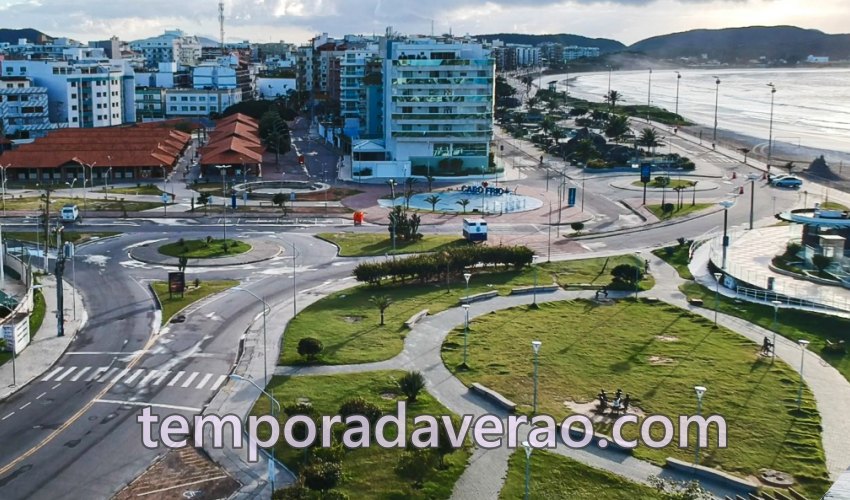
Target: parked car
{"points": [[70, 213], [787, 181]]}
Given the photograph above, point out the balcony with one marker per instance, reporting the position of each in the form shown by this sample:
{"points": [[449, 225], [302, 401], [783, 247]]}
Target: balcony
{"points": [[430, 134], [460, 81], [443, 99], [442, 116], [445, 62]]}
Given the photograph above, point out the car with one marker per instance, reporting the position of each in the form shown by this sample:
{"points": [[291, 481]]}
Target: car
{"points": [[70, 213], [787, 181]]}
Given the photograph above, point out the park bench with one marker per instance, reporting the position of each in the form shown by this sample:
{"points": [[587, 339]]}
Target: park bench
{"points": [[694, 301], [494, 396], [415, 319], [479, 296], [522, 290], [836, 347]]}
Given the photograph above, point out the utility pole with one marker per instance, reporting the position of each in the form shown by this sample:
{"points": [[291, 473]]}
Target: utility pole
{"points": [[60, 304]]}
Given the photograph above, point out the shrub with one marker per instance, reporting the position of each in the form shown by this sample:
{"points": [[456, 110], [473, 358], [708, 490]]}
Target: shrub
{"points": [[334, 495], [577, 226], [310, 347], [322, 476], [197, 282], [415, 465], [411, 383], [209, 240], [667, 207], [681, 241], [359, 406], [627, 274], [334, 453], [821, 261], [295, 492], [792, 249]]}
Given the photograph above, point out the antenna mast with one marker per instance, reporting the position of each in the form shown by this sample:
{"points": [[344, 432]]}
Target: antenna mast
{"points": [[221, 23]]}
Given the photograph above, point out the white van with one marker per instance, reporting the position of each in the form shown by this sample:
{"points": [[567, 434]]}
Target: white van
{"points": [[70, 213], [474, 230]]}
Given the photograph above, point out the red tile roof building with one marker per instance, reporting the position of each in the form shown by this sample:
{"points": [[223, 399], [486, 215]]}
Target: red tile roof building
{"points": [[235, 142]]}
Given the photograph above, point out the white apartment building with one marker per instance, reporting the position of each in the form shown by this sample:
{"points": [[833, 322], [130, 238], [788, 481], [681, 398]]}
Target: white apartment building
{"points": [[23, 109], [573, 52], [352, 70], [172, 46], [199, 102], [81, 93]]}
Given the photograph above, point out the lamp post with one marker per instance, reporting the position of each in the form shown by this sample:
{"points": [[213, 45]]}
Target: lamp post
{"points": [[535, 345], [700, 391], [466, 276], [717, 277], [776, 305], [392, 184], [223, 170], [3, 168], [105, 178], [678, 79], [803, 343], [527, 447], [752, 178], [716, 102], [266, 308], [534, 290], [90, 180], [648, 95], [608, 96], [770, 133], [726, 204], [637, 276], [69, 184], [273, 403], [465, 332]]}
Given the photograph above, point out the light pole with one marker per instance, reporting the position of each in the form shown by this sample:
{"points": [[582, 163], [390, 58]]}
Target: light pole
{"points": [[465, 332], [648, 95], [90, 180], [273, 403], [770, 133], [69, 184], [803, 343], [776, 305], [534, 290], [266, 308], [678, 79], [726, 204], [637, 276], [716, 102], [392, 184], [223, 170], [717, 277], [527, 447], [608, 96], [3, 168], [752, 178], [535, 345], [106, 183], [466, 276], [700, 390]]}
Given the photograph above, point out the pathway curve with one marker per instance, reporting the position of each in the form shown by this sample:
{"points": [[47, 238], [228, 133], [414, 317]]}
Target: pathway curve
{"points": [[487, 469]]}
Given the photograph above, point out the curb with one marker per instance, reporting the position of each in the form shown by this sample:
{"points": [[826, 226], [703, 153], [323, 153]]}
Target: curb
{"points": [[201, 262], [643, 228]]}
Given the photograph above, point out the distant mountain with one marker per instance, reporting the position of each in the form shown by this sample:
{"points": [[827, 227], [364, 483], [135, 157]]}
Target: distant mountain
{"points": [[208, 42], [32, 36], [743, 44], [605, 45]]}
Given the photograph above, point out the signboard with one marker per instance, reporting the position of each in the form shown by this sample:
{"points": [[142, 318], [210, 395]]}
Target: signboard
{"points": [[176, 282], [68, 249], [233, 201], [645, 173], [571, 197], [487, 191], [164, 197], [17, 334]]}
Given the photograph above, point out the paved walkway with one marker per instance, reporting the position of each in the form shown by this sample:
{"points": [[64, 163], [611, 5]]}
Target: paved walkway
{"points": [[45, 347], [261, 250]]}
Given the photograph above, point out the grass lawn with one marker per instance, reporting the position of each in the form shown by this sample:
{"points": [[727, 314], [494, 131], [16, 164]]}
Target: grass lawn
{"points": [[831, 205], [170, 306], [348, 324], [200, 249], [74, 237], [656, 353], [94, 203], [686, 209], [556, 476], [367, 472], [674, 183], [365, 244], [679, 258], [149, 189]]}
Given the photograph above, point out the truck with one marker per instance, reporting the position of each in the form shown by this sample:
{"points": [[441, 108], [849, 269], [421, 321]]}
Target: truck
{"points": [[70, 213], [474, 230]]}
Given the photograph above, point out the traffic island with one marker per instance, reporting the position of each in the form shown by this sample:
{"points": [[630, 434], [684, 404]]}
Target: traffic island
{"points": [[199, 255], [208, 248]]}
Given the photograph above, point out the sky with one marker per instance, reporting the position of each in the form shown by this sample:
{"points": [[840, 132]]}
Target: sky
{"points": [[297, 21]]}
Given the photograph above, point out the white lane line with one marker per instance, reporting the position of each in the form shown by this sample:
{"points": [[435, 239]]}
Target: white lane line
{"points": [[7, 416], [51, 374], [151, 374], [162, 377], [22, 407], [80, 373], [204, 381], [118, 377], [41, 396], [64, 374], [151, 405], [134, 376], [111, 353], [190, 379], [55, 386], [108, 374], [176, 378], [218, 382]]}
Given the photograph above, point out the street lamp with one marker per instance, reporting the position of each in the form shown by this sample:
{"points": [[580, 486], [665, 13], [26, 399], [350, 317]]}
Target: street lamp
{"points": [[527, 447], [69, 184], [534, 290], [726, 204], [700, 390], [223, 170], [3, 168], [466, 276], [273, 404], [717, 277], [105, 178], [90, 180], [465, 332], [610, 69], [716, 102], [770, 133], [637, 275], [649, 95], [803, 343], [752, 178], [392, 184], [535, 345], [776, 305], [678, 79], [266, 308]]}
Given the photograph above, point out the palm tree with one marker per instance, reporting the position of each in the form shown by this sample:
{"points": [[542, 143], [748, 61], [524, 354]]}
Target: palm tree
{"points": [[648, 138], [204, 199], [612, 98], [433, 200], [617, 127], [745, 151], [585, 150], [430, 178], [382, 302], [463, 203]]}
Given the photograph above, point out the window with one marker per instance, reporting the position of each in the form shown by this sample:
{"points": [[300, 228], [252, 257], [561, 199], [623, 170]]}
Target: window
{"points": [[74, 107], [172, 98], [184, 98], [74, 119], [173, 108]]}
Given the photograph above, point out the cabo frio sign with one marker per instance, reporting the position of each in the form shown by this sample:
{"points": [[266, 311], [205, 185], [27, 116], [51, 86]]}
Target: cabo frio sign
{"points": [[484, 189]]}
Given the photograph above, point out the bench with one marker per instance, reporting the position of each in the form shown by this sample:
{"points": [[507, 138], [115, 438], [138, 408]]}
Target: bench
{"points": [[415, 319], [694, 301], [531, 289], [836, 347], [479, 296], [494, 396]]}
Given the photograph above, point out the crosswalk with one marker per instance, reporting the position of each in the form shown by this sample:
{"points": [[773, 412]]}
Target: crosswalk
{"points": [[136, 377]]}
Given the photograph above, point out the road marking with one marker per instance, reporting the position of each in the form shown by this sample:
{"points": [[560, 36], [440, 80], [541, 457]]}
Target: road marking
{"points": [[176, 378], [162, 377], [110, 353], [97, 373], [65, 374], [108, 374], [204, 381], [22, 407], [150, 405], [7, 416], [120, 375], [216, 478], [151, 374], [55, 386], [190, 379], [80, 373], [41, 396], [218, 382], [134, 376], [51, 374]]}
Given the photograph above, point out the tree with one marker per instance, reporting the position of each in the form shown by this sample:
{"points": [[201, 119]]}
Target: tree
{"points": [[745, 152], [274, 131], [382, 302], [310, 347], [577, 226], [649, 139], [415, 465], [463, 202], [408, 190], [626, 273], [204, 199], [430, 178], [613, 97], [821, 262], [410, 384], [618, 126], [585, 151], [322, 476], [433, 200], [359, 406], [182, 262], [279, 199], [444, 443]]}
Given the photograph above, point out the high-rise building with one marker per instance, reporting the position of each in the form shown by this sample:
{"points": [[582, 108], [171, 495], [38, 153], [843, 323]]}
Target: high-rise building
{"points": [[23, 109], [171, 46]]}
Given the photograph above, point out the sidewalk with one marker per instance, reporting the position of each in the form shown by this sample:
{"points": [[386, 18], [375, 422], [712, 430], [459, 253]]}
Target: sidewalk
{"points": [[45, 347]]}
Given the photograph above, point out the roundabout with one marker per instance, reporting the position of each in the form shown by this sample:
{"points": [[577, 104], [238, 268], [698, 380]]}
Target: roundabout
{"points": [[252, 251], [474, 199]]}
